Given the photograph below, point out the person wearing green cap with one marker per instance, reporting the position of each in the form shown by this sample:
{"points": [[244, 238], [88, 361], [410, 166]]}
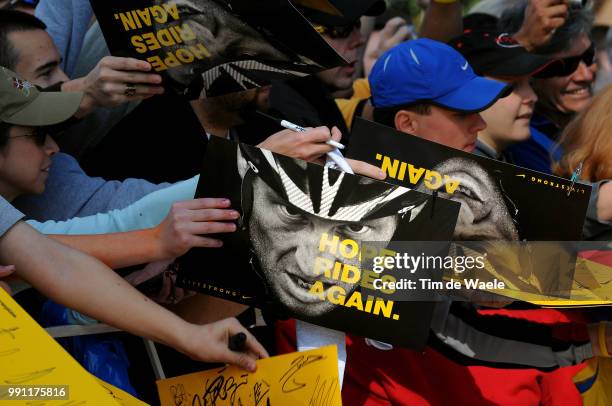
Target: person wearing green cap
{"points": [[66, 275], [25, 159], [24, 110]]}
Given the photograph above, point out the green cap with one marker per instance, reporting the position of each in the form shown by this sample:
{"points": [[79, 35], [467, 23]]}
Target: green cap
{"points": [[21, 103]]}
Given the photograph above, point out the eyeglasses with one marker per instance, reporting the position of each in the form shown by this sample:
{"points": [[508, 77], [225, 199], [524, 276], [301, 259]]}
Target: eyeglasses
{"points": [[567, 66], [39, 136], [338, 31]]}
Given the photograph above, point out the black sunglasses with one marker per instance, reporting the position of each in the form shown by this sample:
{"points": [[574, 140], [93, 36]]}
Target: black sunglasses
{"points": [[39, 135], [567, 66], [338, 31]]}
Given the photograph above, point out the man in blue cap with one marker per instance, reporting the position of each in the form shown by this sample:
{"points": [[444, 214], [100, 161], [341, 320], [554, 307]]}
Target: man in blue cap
{"points": [[426, 88]]}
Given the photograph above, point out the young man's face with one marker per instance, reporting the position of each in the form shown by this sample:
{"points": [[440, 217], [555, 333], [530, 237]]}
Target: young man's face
{"points": [[38, 59], [573, 93], [24, 162], [342, 77], [447, 127], [508, 119], [286, 242]]}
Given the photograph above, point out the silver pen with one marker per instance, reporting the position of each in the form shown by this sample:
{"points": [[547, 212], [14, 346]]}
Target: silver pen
{"points": [[334, 157], [294, 127]]}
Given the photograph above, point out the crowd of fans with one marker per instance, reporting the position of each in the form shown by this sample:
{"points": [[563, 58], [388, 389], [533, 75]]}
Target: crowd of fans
{"points": [[528, 82]]}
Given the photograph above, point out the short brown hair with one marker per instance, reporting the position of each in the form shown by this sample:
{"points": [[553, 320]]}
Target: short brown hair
{"points": [[12, 21], [386, 116]]}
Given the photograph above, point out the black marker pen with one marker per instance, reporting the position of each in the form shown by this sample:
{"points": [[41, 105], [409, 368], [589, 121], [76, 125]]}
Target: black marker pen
{"points": [[237, 342]]}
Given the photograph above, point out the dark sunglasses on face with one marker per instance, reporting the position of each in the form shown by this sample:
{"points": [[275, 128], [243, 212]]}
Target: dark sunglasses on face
{"points": [[338, 31], [567, 66], [38, 135]]}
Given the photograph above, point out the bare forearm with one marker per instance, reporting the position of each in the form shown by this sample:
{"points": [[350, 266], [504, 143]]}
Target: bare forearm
{"points": [[442, 22], [74, 85], [88, 104], [117, 250], [84, 284]]}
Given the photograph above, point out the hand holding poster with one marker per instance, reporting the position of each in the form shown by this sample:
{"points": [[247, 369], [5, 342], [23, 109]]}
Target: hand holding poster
{"points": [[299, 249], [207, 48]]}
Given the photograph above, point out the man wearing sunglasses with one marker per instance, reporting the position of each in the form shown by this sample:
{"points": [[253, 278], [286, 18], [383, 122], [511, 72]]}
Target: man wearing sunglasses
{"points": [[310, 101], [566, 86], [343, 33]]}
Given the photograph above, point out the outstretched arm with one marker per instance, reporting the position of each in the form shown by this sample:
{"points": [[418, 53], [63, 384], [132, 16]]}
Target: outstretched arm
{"points": [[80, 282], [181, 230]]}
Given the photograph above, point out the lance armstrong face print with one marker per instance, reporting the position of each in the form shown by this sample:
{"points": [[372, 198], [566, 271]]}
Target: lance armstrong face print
{"points": [[305, 219]]}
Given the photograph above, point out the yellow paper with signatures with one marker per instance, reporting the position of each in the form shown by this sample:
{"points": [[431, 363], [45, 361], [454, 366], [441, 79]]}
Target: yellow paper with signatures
{"points": [[300, 378], [36, 370]]}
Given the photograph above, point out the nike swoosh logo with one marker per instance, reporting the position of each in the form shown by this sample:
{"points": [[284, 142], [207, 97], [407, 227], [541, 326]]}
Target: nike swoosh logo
{"points": [[521, 176], [464, 67]]}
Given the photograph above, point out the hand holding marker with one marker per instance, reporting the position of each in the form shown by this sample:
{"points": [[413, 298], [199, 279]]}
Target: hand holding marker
{"points": [[237, 342], [334, 158]]}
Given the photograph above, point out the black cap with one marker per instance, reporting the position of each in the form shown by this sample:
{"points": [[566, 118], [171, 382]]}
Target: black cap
{"points": [[494, 53], [350, 10]]}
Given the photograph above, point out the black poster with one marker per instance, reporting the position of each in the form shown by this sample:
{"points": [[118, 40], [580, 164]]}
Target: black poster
{"points": [[207, 48], [499, 201], [301, 242], [521, 221]]}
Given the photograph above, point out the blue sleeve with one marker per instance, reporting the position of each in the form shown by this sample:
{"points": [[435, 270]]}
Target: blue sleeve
{"points": [[535, 153], [145, 213], [67, 22], [71, 193]]}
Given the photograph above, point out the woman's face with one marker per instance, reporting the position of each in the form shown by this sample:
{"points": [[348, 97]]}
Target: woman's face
{"points": [[25, 161], [573, 93]]}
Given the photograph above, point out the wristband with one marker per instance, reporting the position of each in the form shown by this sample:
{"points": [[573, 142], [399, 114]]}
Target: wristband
{"points": [[601, 334]]}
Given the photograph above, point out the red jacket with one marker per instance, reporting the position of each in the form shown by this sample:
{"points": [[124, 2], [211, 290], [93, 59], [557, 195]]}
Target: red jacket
{"points": [[375, 377]]}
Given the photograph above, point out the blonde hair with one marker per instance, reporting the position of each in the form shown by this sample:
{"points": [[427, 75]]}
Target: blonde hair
{"points": [[588, 139]]}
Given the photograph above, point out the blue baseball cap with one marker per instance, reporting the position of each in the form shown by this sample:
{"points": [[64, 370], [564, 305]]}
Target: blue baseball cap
{"points": [[427, 71]]}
